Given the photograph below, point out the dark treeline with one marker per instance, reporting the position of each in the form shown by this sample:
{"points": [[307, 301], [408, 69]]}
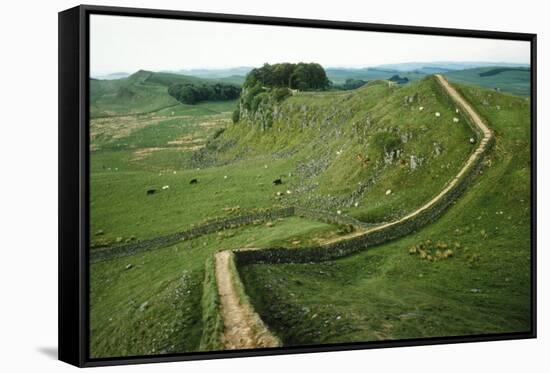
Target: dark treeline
{"points": [[301, 76], [399, 80], [273, 83], [188, 93], [349, 84]]}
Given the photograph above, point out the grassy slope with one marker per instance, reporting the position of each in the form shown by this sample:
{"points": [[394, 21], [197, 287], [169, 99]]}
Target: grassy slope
{"points": [[514, 81], [387, 293], [341, 127], [155, 306], [120, 207], [337, 122], [141, 92], [511, 81]]}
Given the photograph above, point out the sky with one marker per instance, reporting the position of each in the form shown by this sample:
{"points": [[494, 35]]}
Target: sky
{"points": [[128, 44]]}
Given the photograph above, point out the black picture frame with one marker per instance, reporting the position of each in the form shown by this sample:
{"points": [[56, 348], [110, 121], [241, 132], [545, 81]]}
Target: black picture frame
{"points": [[74, 181]]}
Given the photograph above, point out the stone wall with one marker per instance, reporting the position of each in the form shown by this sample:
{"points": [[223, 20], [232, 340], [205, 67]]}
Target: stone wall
{"points": [[389, 231], [107, 253]]}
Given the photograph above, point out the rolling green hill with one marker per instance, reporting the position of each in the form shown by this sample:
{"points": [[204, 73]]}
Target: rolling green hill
{"points": [[374, 153], [350, 148], [509, 79], [141, 92], [513, 80], [408, 288]]}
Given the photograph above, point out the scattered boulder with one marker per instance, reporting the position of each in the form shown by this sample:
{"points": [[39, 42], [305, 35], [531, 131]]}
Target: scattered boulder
{"points": [[437, 114], [472, 140], [421, 108], [143, 306], [437, 149], [388, 192], [166, 187], [455, 120], [129, 266], [413, 163]]}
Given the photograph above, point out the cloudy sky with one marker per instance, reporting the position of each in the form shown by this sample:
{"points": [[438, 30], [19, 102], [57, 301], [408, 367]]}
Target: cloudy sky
{"points": [[127, 44]]}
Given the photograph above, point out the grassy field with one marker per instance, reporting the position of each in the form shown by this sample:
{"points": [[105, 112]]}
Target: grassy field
{"points": [[375, 153], [390, 293], [140, 93], [150, 303], [351, 148], [516, 81]]}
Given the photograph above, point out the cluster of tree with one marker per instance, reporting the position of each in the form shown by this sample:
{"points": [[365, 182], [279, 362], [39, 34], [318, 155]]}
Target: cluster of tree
{"points": [[302, 76], [274, 83], [350, 84], [399, 80], [188, 93]]}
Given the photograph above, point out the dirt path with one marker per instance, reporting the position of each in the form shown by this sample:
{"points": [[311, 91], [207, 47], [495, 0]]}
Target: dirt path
{"points": [[243, 328]]}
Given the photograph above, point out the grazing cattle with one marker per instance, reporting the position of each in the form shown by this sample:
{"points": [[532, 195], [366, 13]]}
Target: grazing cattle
{"points": [[193, 181], [150, 192], [277, 182], [165, 187]]}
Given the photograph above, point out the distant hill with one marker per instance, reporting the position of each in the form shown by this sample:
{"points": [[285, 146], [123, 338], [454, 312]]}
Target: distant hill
{"points": [[513, 80], [141, 92], [118, 75], [442, 66], [509, 78], [233, 75], [216, 73], [340, 75]]}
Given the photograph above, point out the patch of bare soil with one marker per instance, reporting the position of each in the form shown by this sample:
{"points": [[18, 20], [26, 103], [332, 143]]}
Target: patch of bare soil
{"points": [[144, 153], [188, 141]]}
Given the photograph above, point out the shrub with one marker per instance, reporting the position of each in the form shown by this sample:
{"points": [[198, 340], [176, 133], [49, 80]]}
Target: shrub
{"points": [[279, 94], [236, 115]]}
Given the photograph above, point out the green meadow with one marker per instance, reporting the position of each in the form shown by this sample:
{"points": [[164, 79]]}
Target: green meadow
{"points": [[375, 153]]}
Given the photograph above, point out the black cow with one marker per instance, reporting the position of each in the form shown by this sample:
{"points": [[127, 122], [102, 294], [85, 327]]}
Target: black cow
{"points": [[193, 181], [150, 192], [277, 182]]}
